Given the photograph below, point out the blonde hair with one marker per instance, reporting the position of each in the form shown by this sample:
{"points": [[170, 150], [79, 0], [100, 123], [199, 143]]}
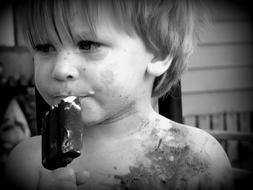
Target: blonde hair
{"points": [[167, 27]]}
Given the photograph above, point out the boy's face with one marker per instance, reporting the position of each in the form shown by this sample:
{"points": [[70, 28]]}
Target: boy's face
{"points": [[112, 65]]}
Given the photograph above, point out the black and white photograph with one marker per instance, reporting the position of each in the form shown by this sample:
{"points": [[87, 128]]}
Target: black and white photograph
{"points": [[126, 95]]}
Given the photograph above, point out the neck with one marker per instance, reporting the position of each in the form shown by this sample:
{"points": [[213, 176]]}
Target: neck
{"points": [[122, 127]]}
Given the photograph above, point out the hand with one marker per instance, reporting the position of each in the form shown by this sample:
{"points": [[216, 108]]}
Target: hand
{"points": [[62, 178]]}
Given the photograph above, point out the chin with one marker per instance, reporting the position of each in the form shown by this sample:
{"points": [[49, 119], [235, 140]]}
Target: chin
{"points": [[92, 119], [96, 120]]}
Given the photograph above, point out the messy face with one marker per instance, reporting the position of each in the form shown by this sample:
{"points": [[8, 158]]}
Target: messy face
{"points": [[105, 67]]}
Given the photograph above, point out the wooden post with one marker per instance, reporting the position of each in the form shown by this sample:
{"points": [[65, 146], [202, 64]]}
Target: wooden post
{"points": [[246, 149], [204, 122], [217, 123], [232, 149]]}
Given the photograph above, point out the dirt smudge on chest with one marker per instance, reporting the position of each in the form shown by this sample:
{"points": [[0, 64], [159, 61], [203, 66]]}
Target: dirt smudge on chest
{"points": [[173, 164]]}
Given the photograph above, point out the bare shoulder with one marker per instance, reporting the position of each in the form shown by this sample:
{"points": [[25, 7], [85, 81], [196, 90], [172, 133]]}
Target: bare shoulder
{"points": [[199, 158], [177, 156], [23, 164]]}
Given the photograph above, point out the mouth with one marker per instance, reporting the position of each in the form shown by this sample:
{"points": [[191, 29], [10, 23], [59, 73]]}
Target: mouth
{"points": [[71, 97], [70, 100]]}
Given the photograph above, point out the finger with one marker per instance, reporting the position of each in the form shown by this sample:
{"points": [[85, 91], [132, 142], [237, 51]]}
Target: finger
{"points": [[64, 185], [62, 178], [64, 174], [82, 177]]}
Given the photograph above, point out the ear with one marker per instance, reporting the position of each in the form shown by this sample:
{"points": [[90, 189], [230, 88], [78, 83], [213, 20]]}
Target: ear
{"points": [[157, 67]]}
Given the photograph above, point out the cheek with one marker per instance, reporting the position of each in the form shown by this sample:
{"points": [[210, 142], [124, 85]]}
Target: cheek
{"points": [[41, 77], [38, 73], [107, 77], [111, 84]]}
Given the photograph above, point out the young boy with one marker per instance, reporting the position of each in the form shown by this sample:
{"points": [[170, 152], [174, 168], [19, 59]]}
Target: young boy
{"points": [[116, 56]]}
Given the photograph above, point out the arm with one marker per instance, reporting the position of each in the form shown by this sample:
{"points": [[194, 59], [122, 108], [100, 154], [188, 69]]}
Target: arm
{"points": [[24, 170], [219, 175], [22, 167]]}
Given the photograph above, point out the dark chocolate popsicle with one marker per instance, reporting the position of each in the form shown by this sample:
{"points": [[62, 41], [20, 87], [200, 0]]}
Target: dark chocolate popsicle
{"points": [[62, 134]]}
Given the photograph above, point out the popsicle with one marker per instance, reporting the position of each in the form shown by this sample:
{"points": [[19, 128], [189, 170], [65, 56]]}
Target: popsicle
{"points": [[62, 134]]}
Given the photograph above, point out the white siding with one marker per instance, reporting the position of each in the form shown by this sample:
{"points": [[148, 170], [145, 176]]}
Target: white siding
{"points": [[220, 72]]}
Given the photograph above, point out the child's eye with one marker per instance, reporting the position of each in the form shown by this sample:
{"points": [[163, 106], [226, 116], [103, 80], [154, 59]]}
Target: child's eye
{"points": [[88, 45], [45, 48]]}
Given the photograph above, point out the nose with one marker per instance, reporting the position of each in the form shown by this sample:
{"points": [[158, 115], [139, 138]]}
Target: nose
{"points": [[65, 67]]}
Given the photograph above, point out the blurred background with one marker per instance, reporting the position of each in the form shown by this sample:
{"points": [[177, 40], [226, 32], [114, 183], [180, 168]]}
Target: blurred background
{"points": [[217, 88]]}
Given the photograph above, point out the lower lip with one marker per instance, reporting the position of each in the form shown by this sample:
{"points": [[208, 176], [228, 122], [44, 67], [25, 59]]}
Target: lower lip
{"points": [[83, 99]]}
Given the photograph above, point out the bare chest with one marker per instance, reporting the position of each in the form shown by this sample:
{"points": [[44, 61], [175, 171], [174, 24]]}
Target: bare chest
{"points": [[105, 164], [155, 164]]}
